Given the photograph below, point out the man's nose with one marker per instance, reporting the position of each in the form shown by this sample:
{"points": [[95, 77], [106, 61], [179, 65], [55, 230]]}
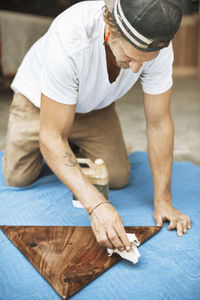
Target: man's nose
{"points": [[135, 66]]}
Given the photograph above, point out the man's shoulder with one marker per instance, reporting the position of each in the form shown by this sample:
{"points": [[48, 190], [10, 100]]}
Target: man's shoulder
{"points": [[79, 24], [164, 58], [156, 77]]}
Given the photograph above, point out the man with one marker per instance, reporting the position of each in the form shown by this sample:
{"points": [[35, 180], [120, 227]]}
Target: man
{"points": [[75, 79]]}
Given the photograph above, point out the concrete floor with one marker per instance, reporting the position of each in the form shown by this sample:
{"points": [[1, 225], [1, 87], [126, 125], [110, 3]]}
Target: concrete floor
{"points": [[185, 111]]}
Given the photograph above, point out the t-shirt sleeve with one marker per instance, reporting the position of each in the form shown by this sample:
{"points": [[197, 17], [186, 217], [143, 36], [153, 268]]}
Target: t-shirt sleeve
{"points": [[59, 80], [156, 77]]}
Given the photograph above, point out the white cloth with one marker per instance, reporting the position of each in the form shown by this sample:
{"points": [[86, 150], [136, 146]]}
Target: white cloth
{"points": [[131, 255], [68, 64]]}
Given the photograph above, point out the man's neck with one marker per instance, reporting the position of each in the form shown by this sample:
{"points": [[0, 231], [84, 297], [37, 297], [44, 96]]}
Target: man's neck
{"points": [[109, 53], [112, 68]]}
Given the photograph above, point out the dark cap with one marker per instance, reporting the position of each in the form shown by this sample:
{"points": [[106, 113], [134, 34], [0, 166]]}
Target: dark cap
{"points": [[146, 24]]}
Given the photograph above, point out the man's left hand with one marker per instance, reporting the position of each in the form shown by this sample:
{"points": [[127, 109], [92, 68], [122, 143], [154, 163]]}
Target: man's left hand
{"points": [[166, 212]]}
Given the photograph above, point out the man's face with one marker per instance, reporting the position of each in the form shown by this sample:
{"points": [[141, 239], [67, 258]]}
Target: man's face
{"points": [[127, 56]]}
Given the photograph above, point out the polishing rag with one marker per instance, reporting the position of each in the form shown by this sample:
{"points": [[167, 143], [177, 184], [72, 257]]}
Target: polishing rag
{"points": [[131, 255]]}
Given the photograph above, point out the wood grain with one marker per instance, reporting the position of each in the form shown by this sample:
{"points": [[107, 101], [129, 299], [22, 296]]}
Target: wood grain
{"points": [[68, 257]]}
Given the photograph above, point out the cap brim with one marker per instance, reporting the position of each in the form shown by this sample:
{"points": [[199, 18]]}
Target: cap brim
{"points": [[110, 4]]}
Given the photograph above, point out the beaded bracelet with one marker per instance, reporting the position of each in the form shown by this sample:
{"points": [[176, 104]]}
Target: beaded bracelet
{"points": [[91, 210]]}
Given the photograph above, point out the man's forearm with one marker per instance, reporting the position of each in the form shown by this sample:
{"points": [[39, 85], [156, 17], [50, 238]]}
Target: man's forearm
{"points": [[160, 151], [63, 163], [160, 133]]}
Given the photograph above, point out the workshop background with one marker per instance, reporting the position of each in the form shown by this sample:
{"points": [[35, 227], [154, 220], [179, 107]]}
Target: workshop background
{"points": [[22, 22]]}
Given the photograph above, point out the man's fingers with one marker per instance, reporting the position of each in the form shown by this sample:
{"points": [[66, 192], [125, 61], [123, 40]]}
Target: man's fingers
{"points": [[110, 231], [114, 238], [182, 225], [185, 224], [104, 240], [180, 228], [158, 220], [123, 237], [189, 223], [101, 237], [172, 225], [96, 232], [177, 219]]}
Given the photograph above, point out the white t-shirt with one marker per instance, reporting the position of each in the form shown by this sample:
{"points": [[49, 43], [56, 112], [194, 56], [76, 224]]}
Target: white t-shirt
{"points": [[68, 64]]}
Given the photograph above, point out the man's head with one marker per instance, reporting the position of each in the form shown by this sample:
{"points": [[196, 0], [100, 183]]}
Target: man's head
{"points": [[148, 25], [140, 28]]}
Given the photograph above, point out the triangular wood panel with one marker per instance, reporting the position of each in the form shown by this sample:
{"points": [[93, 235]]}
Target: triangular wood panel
{"points": [[68, 257]]}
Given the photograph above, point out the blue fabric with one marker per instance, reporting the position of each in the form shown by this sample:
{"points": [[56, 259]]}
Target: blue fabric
{"points": [[169, 267]]}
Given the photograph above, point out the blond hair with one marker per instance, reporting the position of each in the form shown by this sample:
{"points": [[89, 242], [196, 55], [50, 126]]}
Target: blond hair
{"points": [[108, 19]]}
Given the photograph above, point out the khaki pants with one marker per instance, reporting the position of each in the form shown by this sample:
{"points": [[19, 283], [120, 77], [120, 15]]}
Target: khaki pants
{"points": [[98, 133]]}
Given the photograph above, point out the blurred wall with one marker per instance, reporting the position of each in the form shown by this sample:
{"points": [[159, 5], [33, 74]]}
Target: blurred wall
{"points": [[38, 7], [22, 22], [187, 48]]}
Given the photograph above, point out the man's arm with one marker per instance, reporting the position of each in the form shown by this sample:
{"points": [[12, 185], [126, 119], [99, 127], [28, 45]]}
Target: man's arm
{"points": [[160, 136], [56, 120]]}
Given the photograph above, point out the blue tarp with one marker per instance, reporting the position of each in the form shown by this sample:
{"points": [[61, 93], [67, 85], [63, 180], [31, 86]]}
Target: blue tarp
{"points": [[169, 267]]}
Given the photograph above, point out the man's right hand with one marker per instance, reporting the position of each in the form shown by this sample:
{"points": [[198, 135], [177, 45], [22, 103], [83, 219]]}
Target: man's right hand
{"points": [[108, 227]]}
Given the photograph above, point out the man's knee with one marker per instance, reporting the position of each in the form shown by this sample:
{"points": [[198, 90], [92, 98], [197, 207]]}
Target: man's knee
{"points": [[118, 180], [16, 177], [16, 181]]}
